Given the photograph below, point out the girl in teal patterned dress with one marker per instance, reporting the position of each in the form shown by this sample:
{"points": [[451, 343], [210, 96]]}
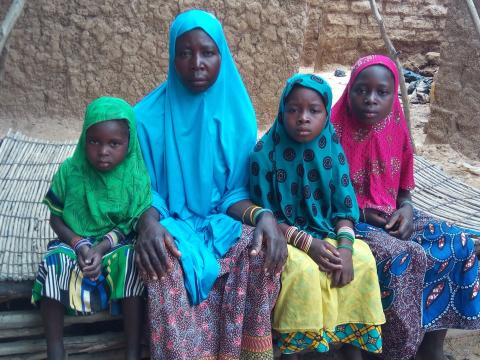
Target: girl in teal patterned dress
{"points": [[299, 171]]}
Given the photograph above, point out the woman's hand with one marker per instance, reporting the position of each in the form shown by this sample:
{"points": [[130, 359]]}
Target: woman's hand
{"points": [[325, 255], [152, 246], [344, 276], [268, 235], [374, 217], [400, 224]]}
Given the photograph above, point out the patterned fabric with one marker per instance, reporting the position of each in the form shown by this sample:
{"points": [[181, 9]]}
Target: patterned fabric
{"points": [[60, 278], [305, 184], [232, 323], [428, 283], [380, 156], [196, 159], [366, 337], [307, 303], [91, 202]]}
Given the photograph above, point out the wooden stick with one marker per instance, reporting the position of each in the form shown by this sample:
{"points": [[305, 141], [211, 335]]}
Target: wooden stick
{"points": [[6, 27], [104, 341], [394, 55], [19, 319], [474, 15]]}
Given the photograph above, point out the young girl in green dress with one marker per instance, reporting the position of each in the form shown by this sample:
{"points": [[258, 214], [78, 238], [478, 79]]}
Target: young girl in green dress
{"points": [[95, 199], [299, 171]]}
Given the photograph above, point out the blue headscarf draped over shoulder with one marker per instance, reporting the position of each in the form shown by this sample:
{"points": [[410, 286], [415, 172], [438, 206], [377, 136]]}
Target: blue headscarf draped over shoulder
{"points": [[305, 184], [196, 148]]}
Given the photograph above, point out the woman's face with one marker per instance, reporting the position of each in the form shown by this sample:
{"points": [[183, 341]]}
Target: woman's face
{"points": [[372, 94], [197, 60], [304, 115]]}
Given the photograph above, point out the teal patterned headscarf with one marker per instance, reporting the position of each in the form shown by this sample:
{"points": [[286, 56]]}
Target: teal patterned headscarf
{"points": [[305, 184]]}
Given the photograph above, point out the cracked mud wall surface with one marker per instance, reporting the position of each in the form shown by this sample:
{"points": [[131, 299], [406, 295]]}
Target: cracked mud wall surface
{"points": [[341, 31], [455, 117], [64, 53]]}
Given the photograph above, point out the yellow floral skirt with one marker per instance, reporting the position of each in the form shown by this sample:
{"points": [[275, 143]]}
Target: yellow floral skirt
{"points": [[310, 314]]}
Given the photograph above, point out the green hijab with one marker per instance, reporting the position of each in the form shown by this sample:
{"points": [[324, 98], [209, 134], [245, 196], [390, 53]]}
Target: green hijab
{"points": [[305, 185], [90, 202]]}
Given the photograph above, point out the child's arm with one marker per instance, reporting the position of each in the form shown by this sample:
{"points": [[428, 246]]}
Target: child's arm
{"points": [[400, 224], [323, 253], [64, 233], [345, 248]]}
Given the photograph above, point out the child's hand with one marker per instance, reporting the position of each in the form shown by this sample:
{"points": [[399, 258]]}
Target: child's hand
{"points": [[92, 264], [374, 217], [325, 255], [81, 255], [400, 224], [345, 275]]}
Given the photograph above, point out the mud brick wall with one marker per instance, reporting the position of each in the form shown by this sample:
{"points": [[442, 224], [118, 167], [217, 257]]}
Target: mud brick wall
{"points": [[455, 116], [341, 31], [64, 53]]}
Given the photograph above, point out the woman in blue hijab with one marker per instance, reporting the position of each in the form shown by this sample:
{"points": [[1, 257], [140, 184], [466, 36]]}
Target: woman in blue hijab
{"points": [[210, 288]]}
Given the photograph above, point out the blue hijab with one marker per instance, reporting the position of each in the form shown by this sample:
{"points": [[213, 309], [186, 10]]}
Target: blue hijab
{"points": [[196, 148]]}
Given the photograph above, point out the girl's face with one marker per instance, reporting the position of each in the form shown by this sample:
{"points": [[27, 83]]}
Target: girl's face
{"points": [[304, 115], [372, 94], [107, 144], [197, 60]]}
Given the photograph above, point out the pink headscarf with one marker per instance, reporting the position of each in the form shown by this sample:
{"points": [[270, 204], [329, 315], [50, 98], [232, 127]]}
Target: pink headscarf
{"points": [[380, 156]]}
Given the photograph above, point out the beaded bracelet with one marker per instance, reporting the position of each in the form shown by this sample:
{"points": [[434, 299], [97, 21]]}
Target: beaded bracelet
{"points": [[113, 237], [82, 242], [74, 241]]}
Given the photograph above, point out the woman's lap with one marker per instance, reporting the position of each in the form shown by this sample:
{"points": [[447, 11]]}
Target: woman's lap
{"points": [[409, 273], [234, 322]]}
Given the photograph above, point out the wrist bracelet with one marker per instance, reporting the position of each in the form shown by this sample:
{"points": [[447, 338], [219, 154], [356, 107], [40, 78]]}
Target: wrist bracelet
{"points": [[74, 241], [408, 202], [258, 212], [80, 243], [245, 212], [345, 247], [254, 210], [289, 233]]}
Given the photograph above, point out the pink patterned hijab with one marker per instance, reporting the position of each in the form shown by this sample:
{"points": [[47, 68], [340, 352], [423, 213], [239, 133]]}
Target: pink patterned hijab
{"points": [[380, 156]]}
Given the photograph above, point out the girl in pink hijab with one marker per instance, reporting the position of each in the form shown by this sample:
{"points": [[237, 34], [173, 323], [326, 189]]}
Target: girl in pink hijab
{"points": [[427, 268]]}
